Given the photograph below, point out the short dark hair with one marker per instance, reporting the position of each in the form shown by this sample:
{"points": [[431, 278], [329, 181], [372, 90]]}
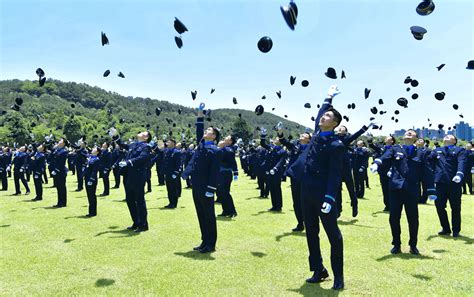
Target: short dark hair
{"points": [[394, 140], [233, 140], [217, 133], [337, 115], [99, 150], [172, 140], [416, 134], [149, 136]]}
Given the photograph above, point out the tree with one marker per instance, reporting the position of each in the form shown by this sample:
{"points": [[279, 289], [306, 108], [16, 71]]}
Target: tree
{"points": [[17, 128], [242, 130], [72, 129]]}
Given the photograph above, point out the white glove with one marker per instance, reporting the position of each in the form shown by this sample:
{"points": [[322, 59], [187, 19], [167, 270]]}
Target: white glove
{"points": [[89, 183], [202, 106], [236, 177], [279, 126], [389, 174], [263, 131], [472, 169], [21, 169], [374, 167], [361, 170], [209, 195], [326, 207], [53, 172], [8, 168], [266, 172], [272, 172], [333, 91], [122, 164], [112, 132], [432, 197], [173, 176], [457, 179]]}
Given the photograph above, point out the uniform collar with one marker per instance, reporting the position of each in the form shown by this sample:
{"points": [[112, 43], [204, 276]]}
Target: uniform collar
{"points": [[327, 133]]}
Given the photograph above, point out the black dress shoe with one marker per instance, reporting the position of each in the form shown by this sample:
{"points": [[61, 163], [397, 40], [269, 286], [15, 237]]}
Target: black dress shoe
{"points": [[444, 232], [142, 228], [222, 214], [298, 228], [27, 193], [206, 250], [199, 247], [414, 250], [133, 227], [318, 276], [90, 215], [36, 199], [395, 250], [274, 209], [58, 206], [386, 209], [455, 234], [232, 215], [16, 194], [338, 283], [77, 190]]}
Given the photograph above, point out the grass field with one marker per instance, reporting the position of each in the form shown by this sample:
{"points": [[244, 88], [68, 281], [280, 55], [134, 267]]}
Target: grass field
{"points": [[47, 251]]}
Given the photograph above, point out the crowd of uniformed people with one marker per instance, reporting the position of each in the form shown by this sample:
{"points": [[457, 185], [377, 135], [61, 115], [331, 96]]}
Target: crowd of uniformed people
{"points": [[411, 171]]}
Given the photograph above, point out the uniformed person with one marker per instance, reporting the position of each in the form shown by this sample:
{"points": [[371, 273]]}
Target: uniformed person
{"points": [[116, 156], [59, 171], [188, 156], [93, 166], [227, 173], [360, 163], [294, 151], [4, 164], [105, 158], [37, 167], [204, 171], [273, 166], [450, 162], [81, 160], [469, 169], [319, 168], [384, 168], [347, 177], [136, 163], [172, 171], [408, 167], [19, 169]]}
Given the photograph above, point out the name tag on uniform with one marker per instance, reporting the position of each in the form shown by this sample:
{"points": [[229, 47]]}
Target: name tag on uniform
{"points": [[399, 156]]}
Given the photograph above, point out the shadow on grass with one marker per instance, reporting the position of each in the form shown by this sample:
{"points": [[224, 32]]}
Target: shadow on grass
{"points": [[68, 240], [77, 217], [113, 227], [439, 251], [195, 255], [422, 277], [375, 214], [119, 200], [314, 290], [104, 282], [286, 234], [405, 257], [4, 226], [268, 211], [123, 233], [345, 223], [256, 197], [258, 254], [467, 240]]}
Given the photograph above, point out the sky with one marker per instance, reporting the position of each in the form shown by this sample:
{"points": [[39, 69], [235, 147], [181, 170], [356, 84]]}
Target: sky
{"points": [[369, 39]]}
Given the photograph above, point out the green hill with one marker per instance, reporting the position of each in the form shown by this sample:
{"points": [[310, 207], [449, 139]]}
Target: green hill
{"points": [[49, 109]]}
